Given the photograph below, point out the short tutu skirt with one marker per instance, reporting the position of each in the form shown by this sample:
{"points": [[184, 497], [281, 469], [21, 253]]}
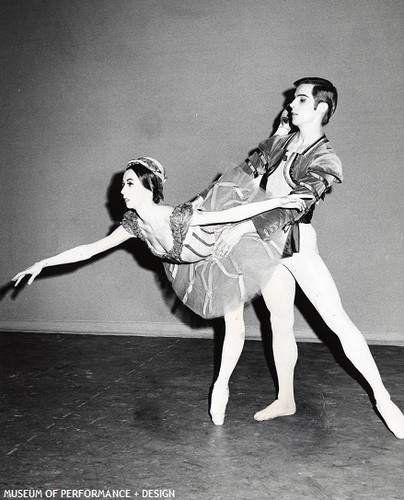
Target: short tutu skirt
{"points": [[216, 286]]}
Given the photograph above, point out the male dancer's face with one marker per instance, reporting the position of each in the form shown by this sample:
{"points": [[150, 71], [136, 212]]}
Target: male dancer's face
{"points": [[302, 107]]}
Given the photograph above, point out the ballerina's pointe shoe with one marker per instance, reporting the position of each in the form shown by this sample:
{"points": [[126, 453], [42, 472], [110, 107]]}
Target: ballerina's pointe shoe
{"points": [[218, 403], [392, 416]]}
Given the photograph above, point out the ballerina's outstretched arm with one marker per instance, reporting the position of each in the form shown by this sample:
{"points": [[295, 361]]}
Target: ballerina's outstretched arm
{"points": [[76, 254], [242, 212]]}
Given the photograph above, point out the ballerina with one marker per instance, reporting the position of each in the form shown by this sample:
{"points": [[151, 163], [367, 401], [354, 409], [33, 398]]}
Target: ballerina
{"points": [[175, 234]]}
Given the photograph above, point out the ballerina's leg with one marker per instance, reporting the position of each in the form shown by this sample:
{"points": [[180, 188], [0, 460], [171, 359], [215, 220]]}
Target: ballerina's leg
{"points": [[232, 348]]}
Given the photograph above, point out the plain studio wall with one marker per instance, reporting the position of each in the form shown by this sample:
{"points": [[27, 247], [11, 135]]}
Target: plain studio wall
{"points": [[87, 85]]}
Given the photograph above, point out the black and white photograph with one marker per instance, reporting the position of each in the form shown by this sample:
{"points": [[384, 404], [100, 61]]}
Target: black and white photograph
{"points": [[201, 280]]}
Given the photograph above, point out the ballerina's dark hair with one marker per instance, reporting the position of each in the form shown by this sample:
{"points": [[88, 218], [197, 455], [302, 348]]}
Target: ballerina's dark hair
{"points": [[148, 179]]}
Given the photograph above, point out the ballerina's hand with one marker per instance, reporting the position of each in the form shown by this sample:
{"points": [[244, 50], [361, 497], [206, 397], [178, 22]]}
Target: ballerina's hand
{"points": [[285, 118], [284, 124], [293, 201], [33, 271]]}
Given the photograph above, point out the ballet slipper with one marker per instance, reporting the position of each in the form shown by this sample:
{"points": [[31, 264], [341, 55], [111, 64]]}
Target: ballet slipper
{"points": [[392, 416], [276, 409], [218, 403]]}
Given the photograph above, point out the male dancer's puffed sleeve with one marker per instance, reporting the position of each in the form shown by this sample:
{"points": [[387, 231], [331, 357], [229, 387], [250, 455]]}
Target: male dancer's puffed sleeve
{"points": [[254, 165], [322, 172]]}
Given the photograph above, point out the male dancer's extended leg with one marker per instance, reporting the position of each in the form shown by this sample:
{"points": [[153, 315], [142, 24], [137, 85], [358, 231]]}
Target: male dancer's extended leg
{"points": [[317, 283], [279, 296], [232, 347]]}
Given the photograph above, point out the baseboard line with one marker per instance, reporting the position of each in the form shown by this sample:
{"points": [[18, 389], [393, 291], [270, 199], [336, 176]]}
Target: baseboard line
{"points": [[165, 329]]}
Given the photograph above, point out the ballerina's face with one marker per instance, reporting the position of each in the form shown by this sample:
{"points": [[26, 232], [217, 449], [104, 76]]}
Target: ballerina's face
{"points": [[133, 191]]}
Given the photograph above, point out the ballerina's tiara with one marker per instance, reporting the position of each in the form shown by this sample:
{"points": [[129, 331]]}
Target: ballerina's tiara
{"points": [[151, 164]]}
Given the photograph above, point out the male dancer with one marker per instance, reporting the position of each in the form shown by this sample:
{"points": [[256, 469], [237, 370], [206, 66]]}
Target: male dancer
{"points": [[304, 163]]}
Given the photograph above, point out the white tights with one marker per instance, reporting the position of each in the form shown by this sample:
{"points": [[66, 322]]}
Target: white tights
{"points": [[232, 348], [309, 270]]}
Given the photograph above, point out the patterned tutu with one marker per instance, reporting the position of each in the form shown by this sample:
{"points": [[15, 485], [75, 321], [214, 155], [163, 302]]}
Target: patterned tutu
{"points": [[215, 286]]}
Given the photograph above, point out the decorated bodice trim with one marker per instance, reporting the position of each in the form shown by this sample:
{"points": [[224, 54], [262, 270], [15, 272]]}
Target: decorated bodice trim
{"points": [[179, 221]]}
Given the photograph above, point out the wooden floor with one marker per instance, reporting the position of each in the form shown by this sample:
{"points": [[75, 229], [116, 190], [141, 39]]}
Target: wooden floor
{"points": [[109, 413]]}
